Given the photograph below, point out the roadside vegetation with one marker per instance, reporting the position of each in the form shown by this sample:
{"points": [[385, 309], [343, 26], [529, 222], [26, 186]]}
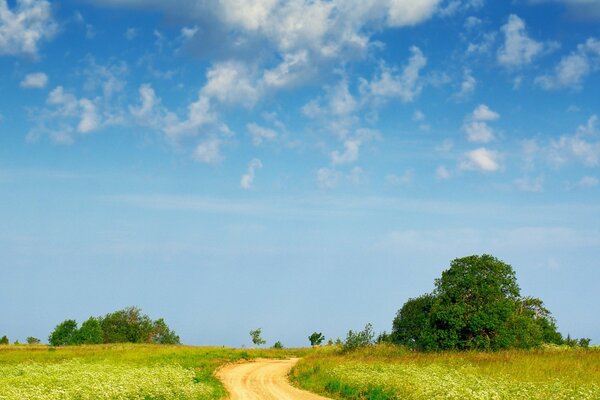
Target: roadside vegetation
{"points": [[384, 371], [119, 371]]}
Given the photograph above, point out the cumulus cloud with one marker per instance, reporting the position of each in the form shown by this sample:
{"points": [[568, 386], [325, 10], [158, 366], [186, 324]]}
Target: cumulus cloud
{"points": [[391, 83], [579, 146], [476, 126], [468, 85], [208, 151], [587, 182], [350, 153], [352, 146], [518, 48], [248, 178], [151, 113], [25, 26], [442, 173], [65, 116], [571, 70], [230, 82], [37, 80], [260, 134], [89, 117], [481, 159], [535, 185], [484, 113], [404, 179], [328, 178]]}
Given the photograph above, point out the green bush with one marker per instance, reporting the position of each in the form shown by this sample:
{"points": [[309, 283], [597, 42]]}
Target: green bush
{"points": [[355, 340], [4, 340], [33, 340]]}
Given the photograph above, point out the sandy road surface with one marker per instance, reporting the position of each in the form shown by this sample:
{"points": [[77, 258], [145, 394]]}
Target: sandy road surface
{"points": [[262, 380]]}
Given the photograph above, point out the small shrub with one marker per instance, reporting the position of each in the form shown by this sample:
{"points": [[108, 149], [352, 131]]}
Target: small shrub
{"points": [[316, 338], [33, 340], [278, 345], [355, 340]]}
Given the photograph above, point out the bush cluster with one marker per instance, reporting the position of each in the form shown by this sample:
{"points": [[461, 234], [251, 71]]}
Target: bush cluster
{"points": [[124, 326]]}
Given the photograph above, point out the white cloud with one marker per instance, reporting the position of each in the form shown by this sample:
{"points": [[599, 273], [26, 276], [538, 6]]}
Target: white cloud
{"points": [[401, 180], [418, 116], [518, 48], [291, 71], [37, 80], [484, 113], [150, 113], [65, 116], [260, 134], [199, 114], [25, 26], [472, 22], [405, 85], [248, 178], [476, 126], [229, 82], [479, 132], [209, 151], [468, 84], [484, 46], [89, 117], [131, 33], [442, 173], [328, 178], [188, 33], [352, 146], [587, 182], [530, 185], [577, 146], [571, 70], [350, 154], [480, 159]]}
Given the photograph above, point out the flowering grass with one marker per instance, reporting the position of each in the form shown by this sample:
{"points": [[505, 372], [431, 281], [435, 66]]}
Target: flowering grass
{"points": [[385, 372], [145, 372]]}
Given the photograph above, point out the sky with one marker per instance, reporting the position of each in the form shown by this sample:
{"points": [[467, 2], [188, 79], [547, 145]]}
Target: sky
{"points": [[296, 165]]}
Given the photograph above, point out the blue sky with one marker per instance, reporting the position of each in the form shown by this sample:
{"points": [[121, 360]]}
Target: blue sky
{"points": [[295, 166]]}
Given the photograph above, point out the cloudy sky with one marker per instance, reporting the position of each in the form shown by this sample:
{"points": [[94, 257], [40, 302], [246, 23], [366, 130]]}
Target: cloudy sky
{"points": [[293, 165]]}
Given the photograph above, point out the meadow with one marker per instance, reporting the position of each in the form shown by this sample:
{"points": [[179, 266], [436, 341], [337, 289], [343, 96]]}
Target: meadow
{"points": [[119, 371], [386, 372]]}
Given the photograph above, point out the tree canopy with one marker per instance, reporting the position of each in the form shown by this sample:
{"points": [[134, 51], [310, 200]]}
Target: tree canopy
{"points": [[128, 325], [476, 304]]}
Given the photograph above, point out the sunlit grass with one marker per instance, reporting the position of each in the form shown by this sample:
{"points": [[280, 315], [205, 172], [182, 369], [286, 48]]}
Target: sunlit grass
{"points": [[145, 372], [385, 372]]}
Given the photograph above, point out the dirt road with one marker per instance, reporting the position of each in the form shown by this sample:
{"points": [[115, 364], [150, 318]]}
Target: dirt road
{"points": [[262, 380]]}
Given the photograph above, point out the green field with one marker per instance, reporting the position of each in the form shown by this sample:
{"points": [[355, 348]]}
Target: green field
{"points": [[127, 371], [383, 372]]}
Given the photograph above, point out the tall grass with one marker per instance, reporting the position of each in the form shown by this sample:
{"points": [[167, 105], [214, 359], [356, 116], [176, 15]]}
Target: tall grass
{"points": [[121, 371], [388, 372]]}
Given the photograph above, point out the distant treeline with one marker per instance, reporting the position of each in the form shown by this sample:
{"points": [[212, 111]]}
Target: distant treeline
{"points": [[124, 326]]}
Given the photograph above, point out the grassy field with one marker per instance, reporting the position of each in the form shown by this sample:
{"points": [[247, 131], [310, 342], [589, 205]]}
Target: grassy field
{"points": [[145, 372], [382, 372]]}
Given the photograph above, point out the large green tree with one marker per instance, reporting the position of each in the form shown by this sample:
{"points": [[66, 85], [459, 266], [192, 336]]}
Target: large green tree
{"points": [[476, 304], [127, 326], [64, 333], [90, 332]]}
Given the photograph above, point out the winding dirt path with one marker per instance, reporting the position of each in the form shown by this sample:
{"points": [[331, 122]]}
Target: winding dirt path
{"points": [[262, 380]]}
